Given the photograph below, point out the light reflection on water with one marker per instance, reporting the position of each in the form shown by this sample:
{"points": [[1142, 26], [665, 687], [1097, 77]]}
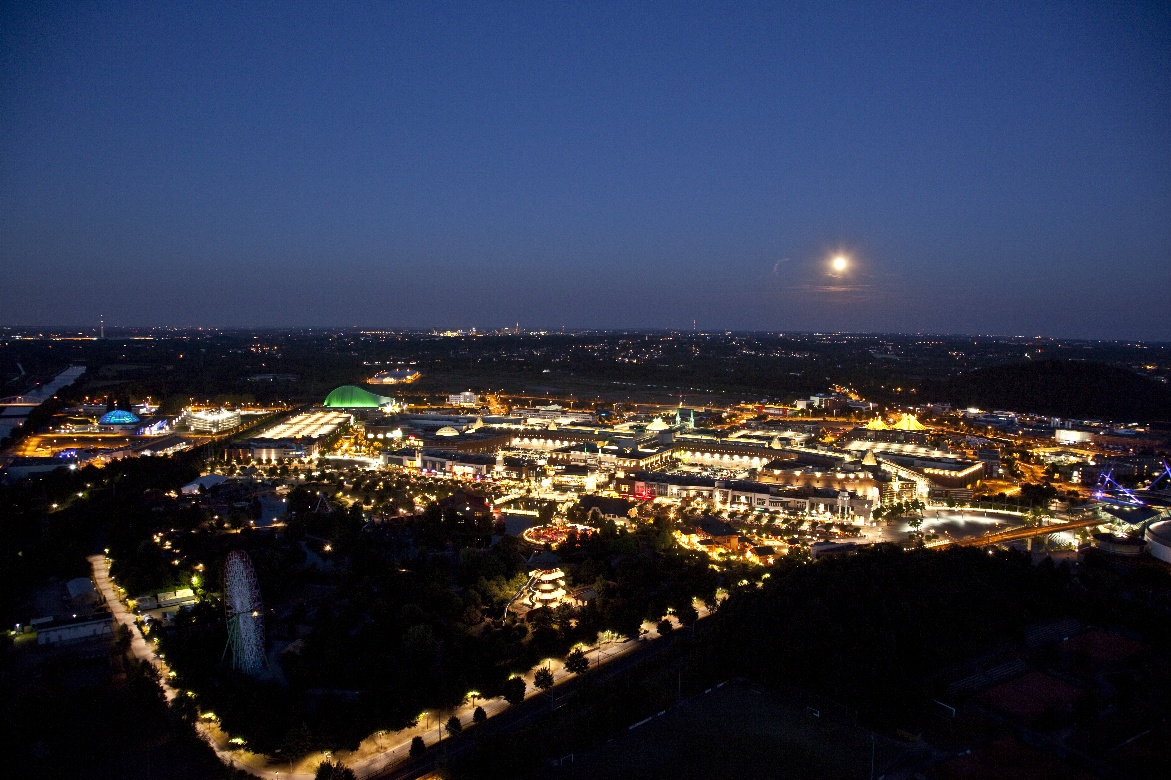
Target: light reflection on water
{"points": [[514, 525], [962, 524]]}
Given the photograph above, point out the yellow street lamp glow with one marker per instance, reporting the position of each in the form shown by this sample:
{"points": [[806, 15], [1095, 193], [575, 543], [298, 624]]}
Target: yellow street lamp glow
{"points": [[839, 263]]}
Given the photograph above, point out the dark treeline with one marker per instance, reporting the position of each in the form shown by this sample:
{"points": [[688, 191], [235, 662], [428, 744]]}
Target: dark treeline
{"points": [[872, 630], [40, 540], [407, 615], [102, 718], [1063, 388], [879, 634], [222, 367], [71, 715], [869, 630]]}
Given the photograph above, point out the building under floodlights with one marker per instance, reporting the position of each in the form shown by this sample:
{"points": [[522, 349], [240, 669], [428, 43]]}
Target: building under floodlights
{"points": [[211, 420]]}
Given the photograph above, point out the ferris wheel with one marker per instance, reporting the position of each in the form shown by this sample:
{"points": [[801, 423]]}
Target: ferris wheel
{"points": [[244, 613]]}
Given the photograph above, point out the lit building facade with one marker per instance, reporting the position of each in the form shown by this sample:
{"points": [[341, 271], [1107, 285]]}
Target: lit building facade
{"points": [[211, 420]]}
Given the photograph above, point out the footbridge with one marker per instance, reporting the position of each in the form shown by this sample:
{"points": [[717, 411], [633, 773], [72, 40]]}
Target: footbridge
{"points": [[1024, 532]]}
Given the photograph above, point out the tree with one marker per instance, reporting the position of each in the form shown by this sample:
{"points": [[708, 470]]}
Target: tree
{"points": [[418, 747], [576, 661], [665, 627], [687, 614], [297, 743], [479, 716], [327, 770], [453, 726], [184, 707], [543, 679], [122, 639], [419, 645], [514, 690]]}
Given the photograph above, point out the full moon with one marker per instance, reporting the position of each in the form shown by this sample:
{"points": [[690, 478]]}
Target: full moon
{"points": [[839, 263]]}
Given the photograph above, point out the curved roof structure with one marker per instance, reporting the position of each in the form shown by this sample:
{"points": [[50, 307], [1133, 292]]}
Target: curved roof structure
{"points": [[657, 425], [354, 397], [877, 424], [1158, 536], [118, 417]]}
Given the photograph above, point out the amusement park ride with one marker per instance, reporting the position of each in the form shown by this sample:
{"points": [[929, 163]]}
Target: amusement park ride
{"points": [[1158, 493], [245, 614]]}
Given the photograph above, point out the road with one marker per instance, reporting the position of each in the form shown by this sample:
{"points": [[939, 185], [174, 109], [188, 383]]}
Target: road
{"points": [[139, 647]]}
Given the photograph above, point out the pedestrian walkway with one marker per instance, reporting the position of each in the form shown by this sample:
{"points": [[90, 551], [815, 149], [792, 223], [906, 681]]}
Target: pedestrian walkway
{"points": [[143, 650], [374, 756]]}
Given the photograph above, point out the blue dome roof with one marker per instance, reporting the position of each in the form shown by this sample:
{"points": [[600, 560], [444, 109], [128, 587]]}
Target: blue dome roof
{"points": [[118, 417]]}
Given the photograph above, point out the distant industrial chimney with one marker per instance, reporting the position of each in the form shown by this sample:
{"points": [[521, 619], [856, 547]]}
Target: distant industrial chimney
{"points": [[102, 326]]}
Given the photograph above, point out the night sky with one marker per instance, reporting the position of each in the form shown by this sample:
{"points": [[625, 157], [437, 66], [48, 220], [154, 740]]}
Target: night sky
{"points": [[986, 167]]}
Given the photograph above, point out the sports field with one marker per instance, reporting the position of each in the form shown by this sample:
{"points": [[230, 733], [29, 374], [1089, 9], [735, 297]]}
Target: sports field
{"points": [[736, 731]]}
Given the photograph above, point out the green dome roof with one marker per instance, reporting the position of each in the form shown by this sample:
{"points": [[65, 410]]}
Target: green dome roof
{"points": [[352, 397]]}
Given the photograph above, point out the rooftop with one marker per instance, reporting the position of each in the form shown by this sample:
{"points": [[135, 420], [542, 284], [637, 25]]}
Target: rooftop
{"points": [[118, 417], [354, 397]]}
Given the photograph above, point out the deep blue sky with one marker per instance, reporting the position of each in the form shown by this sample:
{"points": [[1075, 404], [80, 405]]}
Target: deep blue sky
{"points": [[988, 167]]}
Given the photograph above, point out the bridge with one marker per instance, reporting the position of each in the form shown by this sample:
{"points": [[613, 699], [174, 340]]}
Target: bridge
{"points": [[1023, 532]]}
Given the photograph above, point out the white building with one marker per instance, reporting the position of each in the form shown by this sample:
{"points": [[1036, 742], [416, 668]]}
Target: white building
{"points": [[1071, 436], [466, 398], [545, 588], [211, 420], [75, 628], [1158, 539], [554, 412]]}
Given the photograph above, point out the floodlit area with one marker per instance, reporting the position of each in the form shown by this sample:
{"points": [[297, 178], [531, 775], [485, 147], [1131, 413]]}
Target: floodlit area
{"points": [[962, 523], [894, 448], [311, 424]]}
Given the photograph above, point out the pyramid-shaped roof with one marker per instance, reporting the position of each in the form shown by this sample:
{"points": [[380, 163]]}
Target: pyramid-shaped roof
{"points": [[908, 422]]}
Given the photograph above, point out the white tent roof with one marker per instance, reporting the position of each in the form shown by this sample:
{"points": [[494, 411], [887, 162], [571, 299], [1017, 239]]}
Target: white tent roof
{"points": [[207, 482]]}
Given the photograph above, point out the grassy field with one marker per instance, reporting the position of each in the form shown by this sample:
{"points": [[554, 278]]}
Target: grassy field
{"points": [[734, 731], [580, 386]]}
